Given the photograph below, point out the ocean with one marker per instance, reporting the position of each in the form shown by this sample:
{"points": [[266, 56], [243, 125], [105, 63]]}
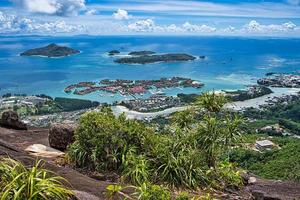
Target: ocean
{"points": [[231, 62]]}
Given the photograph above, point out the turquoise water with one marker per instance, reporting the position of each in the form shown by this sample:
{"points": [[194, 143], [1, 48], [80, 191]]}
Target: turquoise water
{"points": [[231, 63]]}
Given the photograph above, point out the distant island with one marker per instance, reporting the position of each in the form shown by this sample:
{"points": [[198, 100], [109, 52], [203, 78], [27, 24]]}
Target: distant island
{"points": [[52, 50], [145, 58], [113, 52]]}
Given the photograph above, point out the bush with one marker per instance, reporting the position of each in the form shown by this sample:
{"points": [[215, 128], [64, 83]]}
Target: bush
{"points": [[19, 182], [178, 158], [291, 125], [152, 192], [135, 168], [182, 196], [102, 140], [280, 164]]}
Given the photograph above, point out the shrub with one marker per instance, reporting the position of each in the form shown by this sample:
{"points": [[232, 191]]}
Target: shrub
{"points": [[135, 168], [152, 192], [19, 182], [227, 175], [182, 196], [102, 139]]}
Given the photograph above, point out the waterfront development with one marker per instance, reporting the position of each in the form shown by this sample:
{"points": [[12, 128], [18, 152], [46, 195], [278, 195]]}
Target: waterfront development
{"points": [[132, 87]]}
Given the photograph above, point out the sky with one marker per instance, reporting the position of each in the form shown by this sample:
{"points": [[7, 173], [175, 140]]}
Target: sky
{"points": [[154, 17]]}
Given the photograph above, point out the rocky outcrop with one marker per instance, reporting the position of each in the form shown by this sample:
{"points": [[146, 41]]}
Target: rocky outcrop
{"points": [[275, 190], [146, 59], [61, 135], [52, 50], [10, 119]]}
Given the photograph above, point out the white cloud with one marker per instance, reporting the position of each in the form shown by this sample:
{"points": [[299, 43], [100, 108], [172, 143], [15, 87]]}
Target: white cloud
{"points": [[147, 25], [52, 7], [91, 12], [203, 28], [255, 27], [121, 14], [11, 24]]}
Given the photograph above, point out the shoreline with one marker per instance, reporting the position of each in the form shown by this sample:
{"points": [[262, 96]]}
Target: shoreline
{"points": [[237, 106], [131, 114], [263, 100]]}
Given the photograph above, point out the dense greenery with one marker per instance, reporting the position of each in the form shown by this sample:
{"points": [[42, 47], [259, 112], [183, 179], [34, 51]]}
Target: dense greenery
{"points": [[242, 95], [279, 163], [69, 104], [283, 163], [19, 182], [187, 154]]}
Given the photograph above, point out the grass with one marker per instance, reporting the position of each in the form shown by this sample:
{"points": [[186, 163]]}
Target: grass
{"points": [[19, 182]]}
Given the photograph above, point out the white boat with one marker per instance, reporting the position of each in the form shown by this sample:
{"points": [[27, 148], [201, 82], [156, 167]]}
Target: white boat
{"points": [[158, 92]]}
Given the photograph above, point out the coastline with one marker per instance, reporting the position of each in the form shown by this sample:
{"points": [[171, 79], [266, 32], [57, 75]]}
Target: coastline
{"points": [[263, 100], [131, 114], [238, 105]]}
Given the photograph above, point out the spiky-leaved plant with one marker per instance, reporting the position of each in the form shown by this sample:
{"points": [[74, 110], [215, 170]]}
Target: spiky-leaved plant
{"points": [[18, 182]]}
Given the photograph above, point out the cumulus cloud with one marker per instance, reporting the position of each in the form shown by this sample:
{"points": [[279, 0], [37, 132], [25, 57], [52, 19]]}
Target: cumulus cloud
{"points": [[52, 7], [255, 27], [121, 14], [91, 12], [147, 25], [203, 28], [11, 24]]}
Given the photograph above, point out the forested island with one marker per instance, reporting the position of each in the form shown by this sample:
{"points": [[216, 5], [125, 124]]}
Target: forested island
{"points": [[145, 58], [51, 50]]}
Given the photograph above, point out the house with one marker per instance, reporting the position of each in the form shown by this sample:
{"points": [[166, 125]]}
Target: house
{"points": [[264, 145]]}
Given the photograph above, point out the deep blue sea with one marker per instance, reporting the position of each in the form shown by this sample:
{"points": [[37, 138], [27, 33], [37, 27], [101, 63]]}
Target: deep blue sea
{"points": [[231, 63]]}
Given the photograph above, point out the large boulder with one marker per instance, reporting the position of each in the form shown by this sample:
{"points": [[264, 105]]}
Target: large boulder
{"points": [[10, 119], [61, 135]]}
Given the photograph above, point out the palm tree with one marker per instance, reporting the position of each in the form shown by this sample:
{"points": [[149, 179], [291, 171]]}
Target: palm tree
{"points": [[184, 119], [211, 102]]}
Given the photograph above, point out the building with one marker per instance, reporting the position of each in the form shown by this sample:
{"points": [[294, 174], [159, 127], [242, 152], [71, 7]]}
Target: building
{"points": [[264, 145]]}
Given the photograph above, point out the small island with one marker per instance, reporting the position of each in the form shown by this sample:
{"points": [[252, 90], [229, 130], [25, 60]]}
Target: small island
{"points": [[113, 52], [52, 50], [146, 59]]}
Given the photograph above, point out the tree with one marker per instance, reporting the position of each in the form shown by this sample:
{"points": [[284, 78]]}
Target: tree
{"points": [[184, 119], [211, 102], [218, 131]]}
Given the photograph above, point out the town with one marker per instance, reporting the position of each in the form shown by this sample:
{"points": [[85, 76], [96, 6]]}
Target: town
{"points": [[154, 103], [130, 87], [281, 80]]}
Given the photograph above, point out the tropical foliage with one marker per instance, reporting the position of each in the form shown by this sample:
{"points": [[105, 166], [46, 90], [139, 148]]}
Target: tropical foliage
{"points": [[18, 182], [187, 155]]}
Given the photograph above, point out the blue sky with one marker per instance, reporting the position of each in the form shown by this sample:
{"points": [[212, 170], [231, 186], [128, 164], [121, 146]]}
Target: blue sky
{"points": [[179, 17]]}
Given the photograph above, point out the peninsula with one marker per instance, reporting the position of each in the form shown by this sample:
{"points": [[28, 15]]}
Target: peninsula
{"points": [[146, 59], [52, 50]]}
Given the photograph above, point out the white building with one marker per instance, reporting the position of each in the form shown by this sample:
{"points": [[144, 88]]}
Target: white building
{"points": [[264, 144]]}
